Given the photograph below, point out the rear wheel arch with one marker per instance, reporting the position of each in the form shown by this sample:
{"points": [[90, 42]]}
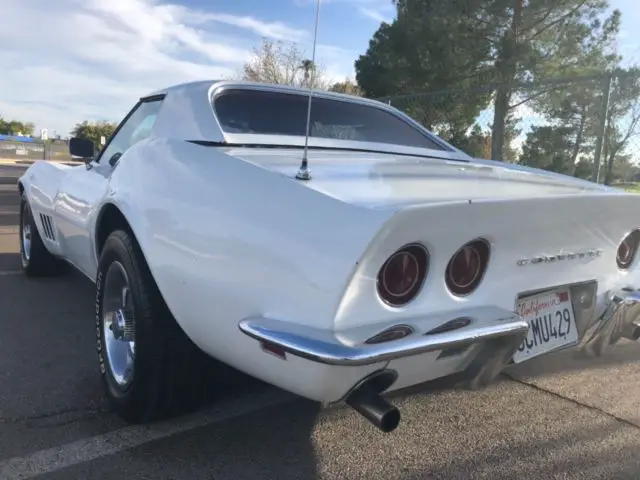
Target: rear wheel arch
{"points": [[171, 374], [109, 220]]}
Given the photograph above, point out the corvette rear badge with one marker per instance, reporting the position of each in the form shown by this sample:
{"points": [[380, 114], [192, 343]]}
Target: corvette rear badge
{"points": [[591, 253]]}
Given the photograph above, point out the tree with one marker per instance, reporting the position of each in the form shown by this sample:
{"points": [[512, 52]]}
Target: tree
{"points": [[414, 60], [623, 119], [577, 106], [348, 87], [15, 127], [477, 143], [94, 130], [542, 39], [308, 67], [277, 63], [624, 170], [549, 148], [460, 43], [584, 168]]}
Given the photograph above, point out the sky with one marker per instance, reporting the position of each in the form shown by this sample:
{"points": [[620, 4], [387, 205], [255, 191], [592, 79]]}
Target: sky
{"points": [[64, 61]]}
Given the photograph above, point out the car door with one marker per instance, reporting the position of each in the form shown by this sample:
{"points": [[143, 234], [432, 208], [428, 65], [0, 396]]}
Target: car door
{"points": [[84, 187]]}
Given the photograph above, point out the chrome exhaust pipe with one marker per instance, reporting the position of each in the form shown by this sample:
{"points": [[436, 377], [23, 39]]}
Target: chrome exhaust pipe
{"points": [[632, 332], [375, 409], [620, 319], [365, 399]]}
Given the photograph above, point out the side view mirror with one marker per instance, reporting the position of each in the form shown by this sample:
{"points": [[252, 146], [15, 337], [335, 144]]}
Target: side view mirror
{"points": [[81, 147]]}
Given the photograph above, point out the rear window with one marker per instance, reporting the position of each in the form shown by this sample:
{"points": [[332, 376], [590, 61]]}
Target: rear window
{"points": [[276, 113]]}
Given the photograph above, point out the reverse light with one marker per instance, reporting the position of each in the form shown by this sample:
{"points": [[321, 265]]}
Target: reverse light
{"points": [[273, 349], [467, 267], [401, 277], [627, 250]]}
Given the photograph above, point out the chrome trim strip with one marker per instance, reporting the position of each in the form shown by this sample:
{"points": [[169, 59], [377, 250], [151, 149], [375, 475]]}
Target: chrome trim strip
{"points": [[322, 345], [238, 140]]}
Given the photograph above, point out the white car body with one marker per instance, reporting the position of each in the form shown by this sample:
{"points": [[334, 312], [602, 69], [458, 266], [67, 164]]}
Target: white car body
{"points": [[248, 258]]}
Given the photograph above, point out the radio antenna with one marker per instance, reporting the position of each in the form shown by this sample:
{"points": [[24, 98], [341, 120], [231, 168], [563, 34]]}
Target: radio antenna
{"points": [[303, 172]]}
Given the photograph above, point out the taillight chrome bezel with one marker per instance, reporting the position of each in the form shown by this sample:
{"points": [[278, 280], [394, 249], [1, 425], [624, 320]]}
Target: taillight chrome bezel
{"points": [[634, 237], [421, 255], [482, 248]]}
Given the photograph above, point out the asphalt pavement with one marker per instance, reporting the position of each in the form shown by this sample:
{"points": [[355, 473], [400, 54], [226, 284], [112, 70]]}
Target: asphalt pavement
{"points": [[566, 417]]}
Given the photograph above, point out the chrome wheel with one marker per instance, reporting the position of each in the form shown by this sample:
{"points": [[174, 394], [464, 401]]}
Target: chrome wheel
{"points": [[26, 237], [118, 324]]}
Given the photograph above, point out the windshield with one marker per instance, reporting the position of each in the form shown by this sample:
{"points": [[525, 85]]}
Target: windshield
{"points": [[277, 113]]}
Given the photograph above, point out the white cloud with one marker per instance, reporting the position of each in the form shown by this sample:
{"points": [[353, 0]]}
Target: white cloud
{"points": [[338, 62], [90, 59], [275, 30], [375, 14], [377, 10]]}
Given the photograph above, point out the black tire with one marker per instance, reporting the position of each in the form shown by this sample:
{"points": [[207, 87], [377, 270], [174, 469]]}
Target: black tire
{"points": [[38, 261], [168, 367]]}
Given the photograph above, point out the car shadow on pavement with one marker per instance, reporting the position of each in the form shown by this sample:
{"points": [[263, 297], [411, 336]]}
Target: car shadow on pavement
{"points": [[561, 455]]}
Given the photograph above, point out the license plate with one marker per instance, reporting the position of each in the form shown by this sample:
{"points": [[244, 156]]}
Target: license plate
{"points": [[551, 323]]}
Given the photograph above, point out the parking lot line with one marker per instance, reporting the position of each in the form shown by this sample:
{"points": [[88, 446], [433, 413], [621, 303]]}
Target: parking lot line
{"points": [[88, 449], [8, 273]]}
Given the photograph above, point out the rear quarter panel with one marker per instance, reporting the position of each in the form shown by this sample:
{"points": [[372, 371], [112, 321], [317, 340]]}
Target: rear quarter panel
{"points": [[226, 239]]}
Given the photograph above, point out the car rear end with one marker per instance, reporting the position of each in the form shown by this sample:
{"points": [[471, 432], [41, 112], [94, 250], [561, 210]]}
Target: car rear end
{"points": [[469, 287]]}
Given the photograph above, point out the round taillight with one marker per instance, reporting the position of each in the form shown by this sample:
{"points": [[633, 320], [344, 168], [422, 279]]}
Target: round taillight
{"points": [[627, 250], [403, 274], [466, 267]]}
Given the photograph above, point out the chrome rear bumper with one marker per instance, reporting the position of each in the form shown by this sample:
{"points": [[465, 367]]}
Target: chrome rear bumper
{"points": [[487, 325], [620, 319], [347, 348], [496, 334]]}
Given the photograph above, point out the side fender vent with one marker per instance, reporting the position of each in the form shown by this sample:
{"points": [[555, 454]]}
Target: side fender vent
{"points": [[48, 227]]}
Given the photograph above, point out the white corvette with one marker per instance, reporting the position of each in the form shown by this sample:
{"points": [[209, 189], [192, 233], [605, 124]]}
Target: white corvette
{"points": [[388, 258]]}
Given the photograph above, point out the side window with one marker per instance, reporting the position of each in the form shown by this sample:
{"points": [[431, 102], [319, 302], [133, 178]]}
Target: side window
{"points": [[135, 128]]}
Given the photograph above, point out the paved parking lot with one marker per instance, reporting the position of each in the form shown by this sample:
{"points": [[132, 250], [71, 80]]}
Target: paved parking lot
{"points": [[573, 418]]}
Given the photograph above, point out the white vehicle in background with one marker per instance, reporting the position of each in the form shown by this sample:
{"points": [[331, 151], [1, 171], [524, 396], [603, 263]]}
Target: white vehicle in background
{"points": [[385, 259]]}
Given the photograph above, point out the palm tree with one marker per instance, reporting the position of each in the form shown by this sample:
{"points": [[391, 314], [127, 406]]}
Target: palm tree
{"points": [[307, 65]]}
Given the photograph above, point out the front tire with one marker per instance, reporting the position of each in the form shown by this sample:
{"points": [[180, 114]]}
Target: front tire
{"points": [[150, 368], [35, 259]]}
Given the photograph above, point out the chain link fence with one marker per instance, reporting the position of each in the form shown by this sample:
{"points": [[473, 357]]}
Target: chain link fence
{"points": [[56, 150], [588, 126]]}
